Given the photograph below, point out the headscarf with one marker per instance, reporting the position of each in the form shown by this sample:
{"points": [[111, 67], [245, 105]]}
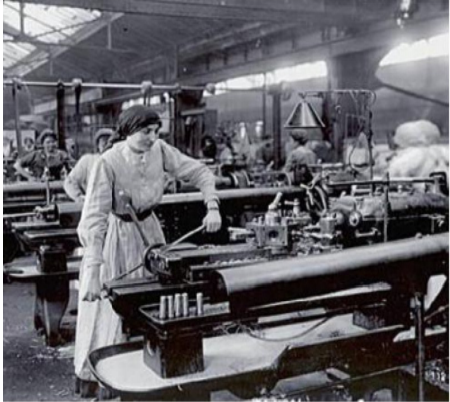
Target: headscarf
{"points": [[299, 135], [132, 120], [103, 132], [46, 133]]}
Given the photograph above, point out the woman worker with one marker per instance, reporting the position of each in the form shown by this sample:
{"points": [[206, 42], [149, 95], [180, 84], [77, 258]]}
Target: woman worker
{"points": [[135, 165], [76, 182], [32, 166]]}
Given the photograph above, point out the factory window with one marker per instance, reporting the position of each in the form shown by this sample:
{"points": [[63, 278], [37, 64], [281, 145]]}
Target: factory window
{"points": [[299, 72], [154, 100], [419, 50]]}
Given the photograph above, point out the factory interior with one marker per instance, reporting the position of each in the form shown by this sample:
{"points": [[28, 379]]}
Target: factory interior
{"points": [[225, 200]]}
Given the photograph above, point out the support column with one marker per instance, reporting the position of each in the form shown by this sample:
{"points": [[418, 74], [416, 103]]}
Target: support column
{"points": [[349, 71], [275, 92], [60, 99]]}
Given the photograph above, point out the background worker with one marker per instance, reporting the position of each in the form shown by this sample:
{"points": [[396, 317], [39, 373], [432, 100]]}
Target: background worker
{"points": [[76, 182], [33, 165]]}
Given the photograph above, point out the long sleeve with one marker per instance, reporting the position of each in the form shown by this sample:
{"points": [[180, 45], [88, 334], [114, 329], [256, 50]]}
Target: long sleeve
{"points": [[188, 169], [97, 207], [76, 182]]}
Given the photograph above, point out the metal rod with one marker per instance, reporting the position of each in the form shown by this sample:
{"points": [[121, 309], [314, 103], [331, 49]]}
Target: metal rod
{"points": [[106, 85], [336, 91], [134, 218], [418, 301], [111, 85], [416, 95], [184, 237], [395, 180]]}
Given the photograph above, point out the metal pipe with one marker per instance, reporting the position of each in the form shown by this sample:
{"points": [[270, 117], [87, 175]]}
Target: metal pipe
{"points": [[418, 307], [106, 85], [399, 262]]}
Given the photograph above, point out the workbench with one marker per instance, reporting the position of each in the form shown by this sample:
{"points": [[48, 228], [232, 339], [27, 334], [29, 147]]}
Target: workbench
{"points": [[52, 293], [251, 367]]}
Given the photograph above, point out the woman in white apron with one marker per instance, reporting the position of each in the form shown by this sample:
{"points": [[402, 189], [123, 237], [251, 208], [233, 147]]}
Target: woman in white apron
{"points": [[136, 165]]}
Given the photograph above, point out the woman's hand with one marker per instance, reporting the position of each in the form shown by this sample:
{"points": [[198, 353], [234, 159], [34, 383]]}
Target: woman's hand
{"points": [[92, 291], [213, 220]]}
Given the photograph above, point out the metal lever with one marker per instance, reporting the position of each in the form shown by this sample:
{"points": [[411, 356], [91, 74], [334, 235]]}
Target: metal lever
{"points": [[127, 200], [183, 238]]}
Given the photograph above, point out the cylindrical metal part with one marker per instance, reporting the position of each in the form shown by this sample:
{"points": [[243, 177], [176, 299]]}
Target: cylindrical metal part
{"points": [[169, 306], [199, 298], [163, 308], [177, 305], [185, 304], [404, 262]]}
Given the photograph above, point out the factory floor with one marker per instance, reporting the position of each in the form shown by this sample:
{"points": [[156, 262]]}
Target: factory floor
{"points": [[31, 370]]}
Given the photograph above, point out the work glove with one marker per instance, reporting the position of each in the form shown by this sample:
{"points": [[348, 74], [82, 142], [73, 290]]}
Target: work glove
{"points": [[212, 220], [91, 289]]}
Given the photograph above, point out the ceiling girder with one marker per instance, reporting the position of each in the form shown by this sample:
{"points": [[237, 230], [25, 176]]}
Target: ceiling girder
{"points": [[243, 10]]}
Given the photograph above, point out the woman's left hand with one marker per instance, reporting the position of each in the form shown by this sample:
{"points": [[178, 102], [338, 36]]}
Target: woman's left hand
{"points": [[213, 220]]}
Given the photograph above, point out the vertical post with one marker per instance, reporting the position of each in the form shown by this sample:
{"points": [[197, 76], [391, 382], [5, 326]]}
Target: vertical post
{"points": [[264, 106], [60, 95], [418, 302], [15, 88], [386, 207], [276, 126], [109, 35], [22, 18]]}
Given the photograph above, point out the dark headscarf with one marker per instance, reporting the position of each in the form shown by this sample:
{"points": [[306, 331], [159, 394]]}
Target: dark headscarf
{"points": [[46, 133], [133, 120]]}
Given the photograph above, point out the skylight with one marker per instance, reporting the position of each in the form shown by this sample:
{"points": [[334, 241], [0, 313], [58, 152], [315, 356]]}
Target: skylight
{"points": [[48, 24], [423, 49]]}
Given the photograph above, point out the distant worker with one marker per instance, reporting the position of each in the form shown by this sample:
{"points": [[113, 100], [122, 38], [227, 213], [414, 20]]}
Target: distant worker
{"points": [[225, 155], [418, 151], [208, 147], [76, 182], [301, 154], [33, 165], [72, 151]]}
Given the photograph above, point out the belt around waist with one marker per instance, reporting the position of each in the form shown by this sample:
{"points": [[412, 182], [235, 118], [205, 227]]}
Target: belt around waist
{"points": [[140, 215]]}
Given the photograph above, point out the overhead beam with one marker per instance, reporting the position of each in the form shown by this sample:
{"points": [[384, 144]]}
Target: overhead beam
{"points": [[246, 10], [42, 44], [312, 47]]}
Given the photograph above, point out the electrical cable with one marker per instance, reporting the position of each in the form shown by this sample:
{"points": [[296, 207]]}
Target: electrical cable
{"points": [[254, 334]]}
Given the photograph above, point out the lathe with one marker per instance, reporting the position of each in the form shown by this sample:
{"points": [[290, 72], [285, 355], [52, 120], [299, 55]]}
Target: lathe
{"points": [[52, 237], [193, 329], [278, 270]]}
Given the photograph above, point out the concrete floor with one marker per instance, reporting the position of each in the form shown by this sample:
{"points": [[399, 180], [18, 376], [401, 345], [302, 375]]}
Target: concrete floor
{"points": [[31, 370]]}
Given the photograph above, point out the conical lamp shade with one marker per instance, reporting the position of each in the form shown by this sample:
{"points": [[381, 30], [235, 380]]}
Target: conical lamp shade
{"points": [[304, 116]]}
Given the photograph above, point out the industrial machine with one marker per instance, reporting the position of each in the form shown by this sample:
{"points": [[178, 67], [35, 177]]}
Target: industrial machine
{"points": [[312, 253]]}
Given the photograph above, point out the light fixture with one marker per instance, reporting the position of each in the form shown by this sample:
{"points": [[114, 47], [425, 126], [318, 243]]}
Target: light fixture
{"points": [[304, 116]]}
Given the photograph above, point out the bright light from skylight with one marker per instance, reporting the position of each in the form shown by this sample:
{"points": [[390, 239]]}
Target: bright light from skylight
{"points": [[299, 72], [420, 50]]}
